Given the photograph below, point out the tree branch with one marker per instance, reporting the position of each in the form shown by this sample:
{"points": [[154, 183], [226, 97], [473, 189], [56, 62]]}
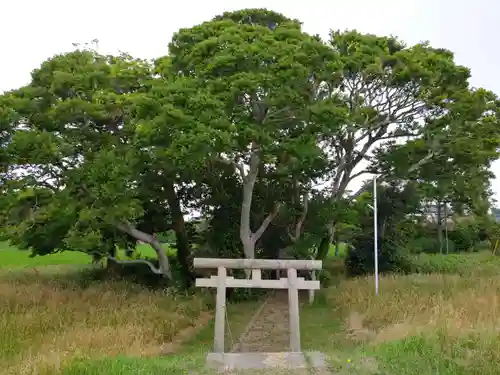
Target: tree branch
{"points": [[151, 266], [357, 174], [411, 169], [164, 265], [270, 217], [237, 166], [300, 222], [421, 162]]}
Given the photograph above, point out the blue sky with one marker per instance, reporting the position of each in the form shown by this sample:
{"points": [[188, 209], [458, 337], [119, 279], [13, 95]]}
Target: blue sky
{"points": [[33, 30]]}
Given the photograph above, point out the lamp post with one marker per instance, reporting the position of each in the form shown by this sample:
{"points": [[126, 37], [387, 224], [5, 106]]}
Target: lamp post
{"points": [[375, 232]]}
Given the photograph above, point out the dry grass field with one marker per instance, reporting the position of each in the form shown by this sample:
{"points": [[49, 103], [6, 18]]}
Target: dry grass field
{"points": [[419, 324], [45, 324], [52, 321]]}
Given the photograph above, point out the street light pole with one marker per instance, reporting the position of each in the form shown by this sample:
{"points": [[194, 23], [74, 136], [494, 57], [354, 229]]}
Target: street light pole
{"points": [[375, 232]]}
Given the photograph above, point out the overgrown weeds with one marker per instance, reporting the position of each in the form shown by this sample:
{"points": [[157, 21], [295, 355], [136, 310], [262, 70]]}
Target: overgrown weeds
{"points": [[46, 323], [418, 324]]}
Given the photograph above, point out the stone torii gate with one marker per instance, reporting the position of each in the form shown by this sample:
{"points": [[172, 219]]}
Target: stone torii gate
{"points": [[291, 282]]}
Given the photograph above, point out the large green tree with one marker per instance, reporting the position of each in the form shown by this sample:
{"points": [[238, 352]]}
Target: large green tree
{"points": [[396, 96], [457, 178], [262, 69], [85, 181]]}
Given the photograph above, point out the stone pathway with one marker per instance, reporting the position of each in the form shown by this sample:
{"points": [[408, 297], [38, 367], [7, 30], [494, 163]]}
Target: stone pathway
{"points": [[269, 330], [264, 347]]}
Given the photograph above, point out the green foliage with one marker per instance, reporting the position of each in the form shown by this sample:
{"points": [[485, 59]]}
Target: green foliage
{"points": [[481, 263], [467, 235], [464, 238], [394, 230], [392, 256], [429, 245], [271, 67], [166, 237], [471, 233], [222, 236], [141, 274], [88, 91]]}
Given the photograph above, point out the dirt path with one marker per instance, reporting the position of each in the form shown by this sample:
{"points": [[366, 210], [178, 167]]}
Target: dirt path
{"points": [[269, 332]]}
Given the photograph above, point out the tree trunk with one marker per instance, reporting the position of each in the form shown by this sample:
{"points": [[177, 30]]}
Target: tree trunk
{"points": [[111, 267], [382, 227], [446, 227], [163, 262], [246, 235], [324, 245], [181, 235], [249, 238], [336, 240], [439, 227]]}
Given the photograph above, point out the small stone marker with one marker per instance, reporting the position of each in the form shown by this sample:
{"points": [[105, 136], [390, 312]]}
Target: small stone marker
{"points": [[228, 361]]}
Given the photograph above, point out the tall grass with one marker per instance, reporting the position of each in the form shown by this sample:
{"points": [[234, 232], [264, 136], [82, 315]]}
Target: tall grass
{"points": [[418, 324], [45, 324], [444, 321]]}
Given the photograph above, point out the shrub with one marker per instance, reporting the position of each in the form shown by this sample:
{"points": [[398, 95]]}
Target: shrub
{"points": [[464, 237], [325, 278], [360, 258], [424, 245], [141, 274], [482, 245], [471, 236], [430, 245]]}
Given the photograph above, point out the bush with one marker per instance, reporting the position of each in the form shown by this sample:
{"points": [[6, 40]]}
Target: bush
{"points": [[325, 278], [470, 236], [244, 294], [482, 245], [424, 245], [464, 237], [360, 258], [429, 245], [141, 274]]}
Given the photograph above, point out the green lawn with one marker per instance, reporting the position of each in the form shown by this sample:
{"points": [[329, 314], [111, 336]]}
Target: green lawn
{"points": [[342, 250], [12, 257]]}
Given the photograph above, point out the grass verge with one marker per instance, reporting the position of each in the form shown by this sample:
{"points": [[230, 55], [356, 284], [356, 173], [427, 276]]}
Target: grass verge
{"points": [[419, 324], [44, 324]]}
